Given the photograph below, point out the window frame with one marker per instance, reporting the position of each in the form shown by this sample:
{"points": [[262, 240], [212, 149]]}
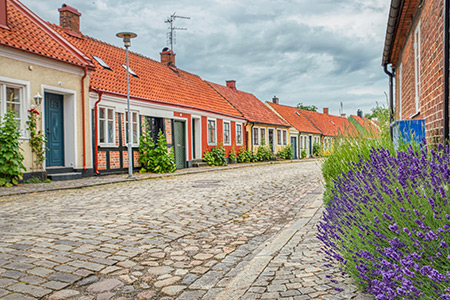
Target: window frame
{"points": [[132, 122], [24, 102], [255, 137], [417, 66], [229, 133], [208, 131], [107, 108], [262, 136], [284, 139], [239, 142], [400, 87], [279, 137]]}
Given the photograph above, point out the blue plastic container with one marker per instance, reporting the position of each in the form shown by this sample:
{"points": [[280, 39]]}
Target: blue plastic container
{"points": [[407, 131]]}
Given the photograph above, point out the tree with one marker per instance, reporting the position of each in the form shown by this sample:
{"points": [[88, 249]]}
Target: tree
{"points": [[307, 107]]}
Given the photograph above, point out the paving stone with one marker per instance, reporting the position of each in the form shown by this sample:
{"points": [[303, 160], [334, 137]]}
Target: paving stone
{"points": [[105, 286], [32, 290], [4, 282], [39, 271], [55, 285], [35, 280], [64, 294], [173, 290], [147, 295], [19, 266], [88, 281], [17, 296], [13, 274], [3, 292], [64, 277], [159, 270], [191, 295], [207, 281], [189, 278], [105, 296], [166, 282]]}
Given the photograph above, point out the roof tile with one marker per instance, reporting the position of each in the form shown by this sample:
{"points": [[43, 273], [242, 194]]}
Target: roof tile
{"points": [[293, 116]]}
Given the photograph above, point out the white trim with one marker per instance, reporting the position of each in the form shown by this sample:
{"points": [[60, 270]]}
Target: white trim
{"points": [[257, 136], [25, 104], [242, 134], [70, 123], [261, 142], [215, 132], [268, 138], [417, 66], [40, 61], [198, 141], [282, 139], [279, 134], [229, 132], [400, 87], [113, 144], [138, 114]]}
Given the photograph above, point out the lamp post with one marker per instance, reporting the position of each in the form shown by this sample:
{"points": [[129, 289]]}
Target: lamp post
{"points": [[127, 36]]}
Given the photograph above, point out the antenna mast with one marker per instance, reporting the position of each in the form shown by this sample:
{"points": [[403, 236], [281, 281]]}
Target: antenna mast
{"points": [[172, 28]]}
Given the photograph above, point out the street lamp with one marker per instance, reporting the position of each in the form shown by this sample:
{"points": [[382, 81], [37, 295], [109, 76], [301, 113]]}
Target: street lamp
{"points": [[127, 36]]}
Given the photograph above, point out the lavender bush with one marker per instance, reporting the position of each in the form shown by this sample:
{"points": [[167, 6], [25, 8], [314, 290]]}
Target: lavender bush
{"points": [[388, 224]]}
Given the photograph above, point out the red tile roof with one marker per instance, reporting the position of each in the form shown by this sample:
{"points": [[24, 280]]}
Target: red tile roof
{"points": [[27, 32], [330, 125], [295, 118], [156, 82], [251, 107], [368, 125]]}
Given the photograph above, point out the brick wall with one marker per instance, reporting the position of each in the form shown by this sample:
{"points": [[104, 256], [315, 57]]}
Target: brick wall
{"points": [[431, 96], [168, 125]]}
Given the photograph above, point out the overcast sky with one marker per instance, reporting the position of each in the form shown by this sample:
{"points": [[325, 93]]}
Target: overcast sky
{"points": [[318, 52]]}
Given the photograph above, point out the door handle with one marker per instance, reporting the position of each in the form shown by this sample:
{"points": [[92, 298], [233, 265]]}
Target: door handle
{"points": [[48, 131]]}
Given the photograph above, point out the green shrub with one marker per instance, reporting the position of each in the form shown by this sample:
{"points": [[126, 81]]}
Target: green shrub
{"points": [[316, 150], [232, 155], [10, 157], [246, 156], [264, 153], [286, 153], [215, 157], [303, 154], [37, 138], [155, 159]]}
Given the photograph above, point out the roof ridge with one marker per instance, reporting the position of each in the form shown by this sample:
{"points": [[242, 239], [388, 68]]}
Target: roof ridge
{"points": [[300, 110]]}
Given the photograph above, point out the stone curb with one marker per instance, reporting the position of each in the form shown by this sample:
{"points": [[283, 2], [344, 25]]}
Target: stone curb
{"points": [[244, 279], [109, 179]]}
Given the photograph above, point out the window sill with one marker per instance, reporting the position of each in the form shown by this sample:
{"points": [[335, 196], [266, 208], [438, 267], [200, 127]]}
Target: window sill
{"points": [[107, 145], [415, 114]]}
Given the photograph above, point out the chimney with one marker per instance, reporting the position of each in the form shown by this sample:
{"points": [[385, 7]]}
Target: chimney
{"points": [[231, 84], [275, 100], [359, 113], [167, 57], [344, 115], [3, 15], [69, 18], [325, 110]]}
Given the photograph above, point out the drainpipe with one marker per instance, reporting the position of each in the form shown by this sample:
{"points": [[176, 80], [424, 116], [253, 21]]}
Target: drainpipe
{"points": [[251, 136], [446, 71], [391, 96], [100, 94], [83, 117]]}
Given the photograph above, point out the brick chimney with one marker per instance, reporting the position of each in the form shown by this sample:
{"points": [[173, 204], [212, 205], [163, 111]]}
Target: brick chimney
{"points": [[275, 100], [325, 110], [167, 57], [69, 18], [231, 84], [3, 15]]}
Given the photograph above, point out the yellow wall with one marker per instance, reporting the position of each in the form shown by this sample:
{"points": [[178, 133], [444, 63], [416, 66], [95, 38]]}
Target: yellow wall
{"points": [[277, 147], [58, 82]]}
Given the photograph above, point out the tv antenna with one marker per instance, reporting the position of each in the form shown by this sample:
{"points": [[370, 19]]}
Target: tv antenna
{"points": [[171, 35]]}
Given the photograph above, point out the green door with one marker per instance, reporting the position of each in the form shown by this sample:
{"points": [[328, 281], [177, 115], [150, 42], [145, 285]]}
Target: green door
{"points": [[54, 124], [180, 144]]}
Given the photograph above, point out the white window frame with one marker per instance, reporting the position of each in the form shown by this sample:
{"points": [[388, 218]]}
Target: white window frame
{"points": [[262, 133], [239, 143], [133, 143], [255, 137], [24, 88], [417, 58], [208, 131], [279, 137], [285, 137], [229, 133], [106, 120], [400, 87]]}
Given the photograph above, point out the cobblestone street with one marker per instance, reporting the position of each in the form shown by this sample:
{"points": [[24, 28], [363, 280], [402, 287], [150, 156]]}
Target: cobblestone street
{"points": [[243, 233]]}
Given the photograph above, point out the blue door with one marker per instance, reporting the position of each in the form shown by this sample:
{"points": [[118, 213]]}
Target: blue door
{"points": [[310, 145], [294, 146], [54, 124]]}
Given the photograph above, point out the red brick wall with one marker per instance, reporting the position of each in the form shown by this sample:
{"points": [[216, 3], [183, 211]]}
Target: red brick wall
{"points": [[102, 160], [431, 98], [168, 125], [114, 159]]}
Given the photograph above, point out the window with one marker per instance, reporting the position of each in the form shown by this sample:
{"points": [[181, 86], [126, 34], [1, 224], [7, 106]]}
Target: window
{"points": [[263, 136], [106, 125], [134, 127], [226, 133], [131, 71], [417, 66], [400, 74], [102, 63], [238, 134], [212, 132], [284, 137], [279, 136], [255, 136], [301, 142], [13, 97]]}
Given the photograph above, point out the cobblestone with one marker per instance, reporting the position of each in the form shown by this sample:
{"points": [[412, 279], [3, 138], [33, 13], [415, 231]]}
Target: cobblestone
{"points": [[183, 237]]}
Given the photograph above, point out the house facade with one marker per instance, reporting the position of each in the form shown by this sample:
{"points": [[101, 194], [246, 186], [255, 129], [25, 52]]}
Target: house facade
{"points": [[414, 47], [303, 132], [263, 127], [193, 117], [42, 71]]}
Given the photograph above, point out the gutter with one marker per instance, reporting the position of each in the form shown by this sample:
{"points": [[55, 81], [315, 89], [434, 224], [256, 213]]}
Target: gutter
{"points": [[446, 72], [394, 17], [391, 96], [83, 117]]}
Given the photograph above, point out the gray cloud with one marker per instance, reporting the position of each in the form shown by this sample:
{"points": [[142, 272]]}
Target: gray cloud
{"points": [[317, 52]]}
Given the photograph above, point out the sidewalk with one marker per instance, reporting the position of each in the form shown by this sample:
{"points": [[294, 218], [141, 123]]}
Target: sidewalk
{"points": [[109, 179]]}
